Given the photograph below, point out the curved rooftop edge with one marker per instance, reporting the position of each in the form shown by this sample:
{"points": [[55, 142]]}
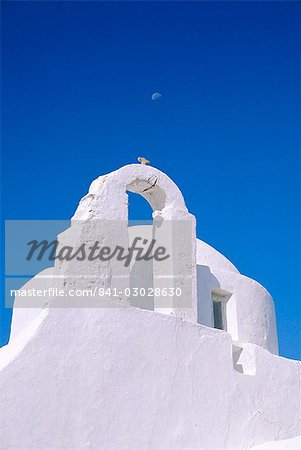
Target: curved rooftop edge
{"points": [[208, 256]]}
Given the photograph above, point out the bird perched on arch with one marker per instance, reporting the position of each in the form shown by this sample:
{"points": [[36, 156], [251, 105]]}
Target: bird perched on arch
{"points": [[143, 160]]}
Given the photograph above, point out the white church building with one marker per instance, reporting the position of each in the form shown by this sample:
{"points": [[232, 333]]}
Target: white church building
{"points": [[200, 370]]}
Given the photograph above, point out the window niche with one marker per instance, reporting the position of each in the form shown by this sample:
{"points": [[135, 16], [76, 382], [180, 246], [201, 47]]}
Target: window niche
{"points": [[219, 308]]}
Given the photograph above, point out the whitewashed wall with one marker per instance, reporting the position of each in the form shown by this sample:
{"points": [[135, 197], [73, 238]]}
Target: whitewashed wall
{"points": [[125, 378]]}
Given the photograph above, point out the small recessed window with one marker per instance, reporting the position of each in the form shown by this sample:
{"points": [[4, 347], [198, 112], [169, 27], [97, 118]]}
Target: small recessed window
{"points": [[219, 318]]}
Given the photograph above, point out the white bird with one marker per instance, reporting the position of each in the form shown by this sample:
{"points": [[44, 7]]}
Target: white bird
{"points": [[143, 160]]}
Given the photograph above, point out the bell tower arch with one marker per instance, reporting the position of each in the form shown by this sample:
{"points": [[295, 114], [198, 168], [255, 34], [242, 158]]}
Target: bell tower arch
{"points": [[102, 214]]}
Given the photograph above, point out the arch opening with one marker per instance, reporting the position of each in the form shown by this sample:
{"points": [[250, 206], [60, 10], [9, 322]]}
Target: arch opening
{"points": [[140, 225], [139, 210], [149, 189]]}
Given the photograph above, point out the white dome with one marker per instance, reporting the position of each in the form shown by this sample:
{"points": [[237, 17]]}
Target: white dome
{"points": [[208, 256]]}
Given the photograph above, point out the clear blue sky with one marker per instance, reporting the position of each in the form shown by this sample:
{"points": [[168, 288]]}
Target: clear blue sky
{"points": [[77, 79]]}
